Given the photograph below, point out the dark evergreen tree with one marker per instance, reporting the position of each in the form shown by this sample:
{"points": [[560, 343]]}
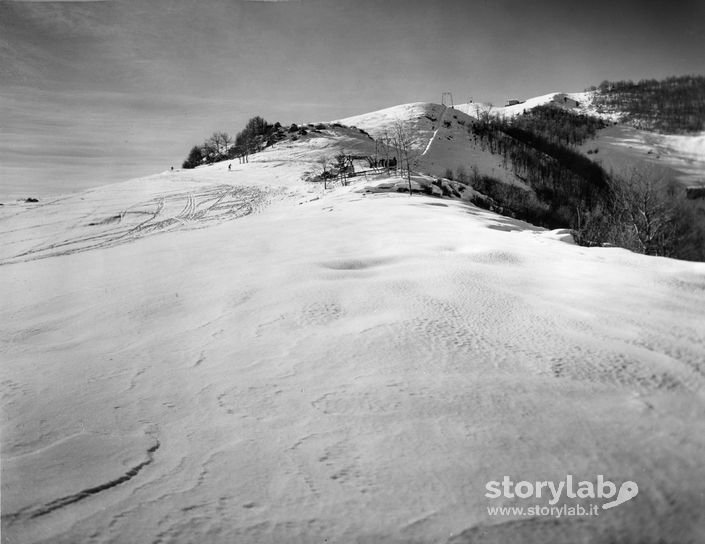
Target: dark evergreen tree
{"points": [[194, 158]]}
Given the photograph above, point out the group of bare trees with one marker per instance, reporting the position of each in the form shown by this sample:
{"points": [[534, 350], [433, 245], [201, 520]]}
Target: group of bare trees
{"points": [[643, 212], [483, 112], [394, 151], [403, 143], [220, 142], [647, 214], [341, 167], [672, 105], [396, 148], [555, 124], [256, 135], [219, 146], [636, 209]]}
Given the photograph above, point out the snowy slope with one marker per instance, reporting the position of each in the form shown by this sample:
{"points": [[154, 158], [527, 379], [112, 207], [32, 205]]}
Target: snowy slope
{"points": [[676, 156], [169, 201], [261, 362], [577, 102], [421, 118], [679, 157], [440, 139]]}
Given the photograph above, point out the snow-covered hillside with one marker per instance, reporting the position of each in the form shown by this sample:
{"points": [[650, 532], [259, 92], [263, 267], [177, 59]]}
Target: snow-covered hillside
{"points": [[676, 156], [224, 356], [577, 102], [440, 142]]}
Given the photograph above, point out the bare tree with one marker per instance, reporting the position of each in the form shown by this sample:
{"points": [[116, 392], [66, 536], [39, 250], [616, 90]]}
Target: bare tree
{"points": [[403, 143], [345, 167], [219, 143], [386, 151], [475, 176], [225, 141], [643, 212], [395, 146], [483, 112], [323, 162], [246, 149]]}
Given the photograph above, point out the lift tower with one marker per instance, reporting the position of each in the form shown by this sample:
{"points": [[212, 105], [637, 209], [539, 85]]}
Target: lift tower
{"points": [[449, 97]]}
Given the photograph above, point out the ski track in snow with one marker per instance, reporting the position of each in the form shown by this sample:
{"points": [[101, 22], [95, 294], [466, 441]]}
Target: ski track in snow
{"points": [[435, 132], [181, 210]]}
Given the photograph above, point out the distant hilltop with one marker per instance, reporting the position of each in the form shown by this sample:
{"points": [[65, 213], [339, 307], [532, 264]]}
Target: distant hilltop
{"points": [[557, 160]]}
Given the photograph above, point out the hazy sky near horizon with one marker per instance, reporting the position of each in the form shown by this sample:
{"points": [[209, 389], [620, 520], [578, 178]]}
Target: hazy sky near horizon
{"points": [[95, 91]]}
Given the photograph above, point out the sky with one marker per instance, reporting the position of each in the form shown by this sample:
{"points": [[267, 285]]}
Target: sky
{"points": [[98, 91]]}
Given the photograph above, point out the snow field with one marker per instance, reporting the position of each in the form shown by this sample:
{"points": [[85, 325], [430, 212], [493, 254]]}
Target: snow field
{"points": [[342, 366]]}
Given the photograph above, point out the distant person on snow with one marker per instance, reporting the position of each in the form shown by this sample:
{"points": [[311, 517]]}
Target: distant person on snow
{"points": [[230, 166]]}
